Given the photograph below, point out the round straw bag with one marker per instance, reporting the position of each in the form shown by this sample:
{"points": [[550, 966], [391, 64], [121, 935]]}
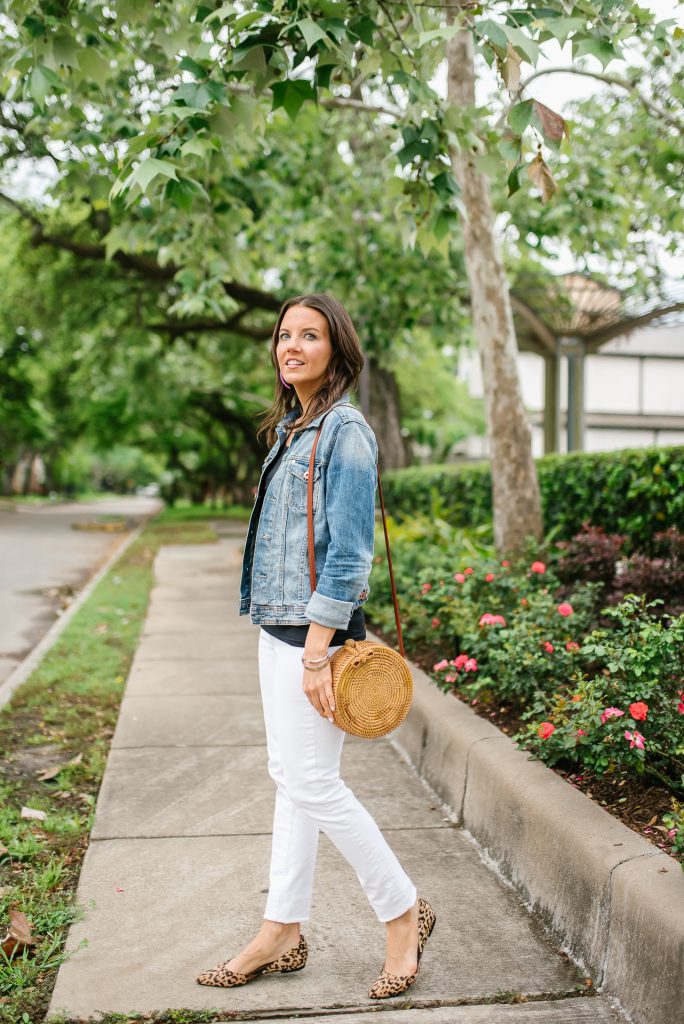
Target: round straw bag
{"points": [[372, 684]]}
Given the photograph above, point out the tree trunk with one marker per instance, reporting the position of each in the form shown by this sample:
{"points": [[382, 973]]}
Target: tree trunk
{"points": [[515, 489], [380, 405]]}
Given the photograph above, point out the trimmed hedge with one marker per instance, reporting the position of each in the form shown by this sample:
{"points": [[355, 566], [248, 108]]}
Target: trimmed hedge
{"points": [[635, 491]]}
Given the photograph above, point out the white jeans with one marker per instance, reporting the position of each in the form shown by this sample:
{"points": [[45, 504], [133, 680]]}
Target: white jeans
{"points": [[304, 751]]}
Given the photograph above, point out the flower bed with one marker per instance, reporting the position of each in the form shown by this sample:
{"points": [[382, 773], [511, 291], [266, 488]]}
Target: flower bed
{"points": [[587, 678]]}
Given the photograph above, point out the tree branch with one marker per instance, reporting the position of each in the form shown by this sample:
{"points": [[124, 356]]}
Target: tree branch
{"points": [[621, 83]]}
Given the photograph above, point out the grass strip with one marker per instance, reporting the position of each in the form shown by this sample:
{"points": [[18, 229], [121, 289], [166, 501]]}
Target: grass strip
{"points": [[63, 716]]}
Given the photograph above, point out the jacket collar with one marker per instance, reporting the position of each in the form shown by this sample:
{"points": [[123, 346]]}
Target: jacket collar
{"points": [[293, 413]]}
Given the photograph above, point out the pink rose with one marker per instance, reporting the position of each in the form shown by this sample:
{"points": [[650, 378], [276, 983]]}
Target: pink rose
{"points": [[451, 678], [548, 646], [581, 732], [637, 740], [470, 665], [638, 711], [680, 707], [469, 571], [440, 665], [492, 620], [538, 567], [611, 713], [459, 577], [545, 730], [565, 609], [436, 622], [489, 577], [505, 563], [572, 645], [460, 661], [426, 587]]}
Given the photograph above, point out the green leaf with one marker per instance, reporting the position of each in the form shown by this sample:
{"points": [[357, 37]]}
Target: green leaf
{"points": [[291, 95], [514, 180], [188, 64], [602, 49], [519, 116], [447, 32], [311, 31], [493, 31], [94, 66], [149, 169], [42, 82], [522, 43]]}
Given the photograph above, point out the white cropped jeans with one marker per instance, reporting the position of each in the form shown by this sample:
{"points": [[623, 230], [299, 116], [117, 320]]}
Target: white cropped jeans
{"points": [[304, 751]]}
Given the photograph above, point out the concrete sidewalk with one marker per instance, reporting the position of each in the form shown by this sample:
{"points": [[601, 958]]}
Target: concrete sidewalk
{"points": [[175, 876]]}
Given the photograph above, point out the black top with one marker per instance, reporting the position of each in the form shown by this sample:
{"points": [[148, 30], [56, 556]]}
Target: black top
{"points": [[296, 635]]}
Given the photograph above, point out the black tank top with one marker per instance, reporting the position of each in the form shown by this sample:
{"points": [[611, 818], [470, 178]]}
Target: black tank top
{"points": [[296, 635]]}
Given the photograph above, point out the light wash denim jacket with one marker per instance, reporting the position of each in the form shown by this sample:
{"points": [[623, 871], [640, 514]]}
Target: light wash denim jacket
{"points": [[275, 586]]}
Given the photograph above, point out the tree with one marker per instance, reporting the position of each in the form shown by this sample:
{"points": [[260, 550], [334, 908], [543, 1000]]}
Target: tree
{"points": [[196, 108]]}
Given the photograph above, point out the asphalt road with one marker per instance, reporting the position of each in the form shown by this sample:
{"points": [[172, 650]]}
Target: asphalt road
{"points": [[44, 562]]}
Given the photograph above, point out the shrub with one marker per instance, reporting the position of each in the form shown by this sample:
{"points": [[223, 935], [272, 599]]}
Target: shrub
{"points": [[634, 491], [626, 710]]}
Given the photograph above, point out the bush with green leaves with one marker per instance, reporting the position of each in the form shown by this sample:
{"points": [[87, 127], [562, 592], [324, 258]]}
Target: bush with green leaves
{"points": [[624, 709], [636, 492]]}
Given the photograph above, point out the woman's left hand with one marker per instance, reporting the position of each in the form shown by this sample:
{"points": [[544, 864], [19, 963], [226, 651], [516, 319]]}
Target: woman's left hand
{"points": [[318, 688]]}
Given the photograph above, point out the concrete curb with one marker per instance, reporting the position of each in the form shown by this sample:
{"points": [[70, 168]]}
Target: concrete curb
{"points": [[612, 900], [36, 655]]}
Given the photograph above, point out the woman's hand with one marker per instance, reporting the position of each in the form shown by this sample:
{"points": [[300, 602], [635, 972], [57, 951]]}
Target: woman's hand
{"points": [[318, 688]]}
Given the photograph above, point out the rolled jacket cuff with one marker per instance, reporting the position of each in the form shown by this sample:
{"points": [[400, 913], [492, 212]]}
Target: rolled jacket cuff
{"points": [[328, 611]]}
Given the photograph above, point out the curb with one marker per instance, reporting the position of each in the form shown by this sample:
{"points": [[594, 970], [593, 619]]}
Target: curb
{"points": [[612, 901], [37, 653]]}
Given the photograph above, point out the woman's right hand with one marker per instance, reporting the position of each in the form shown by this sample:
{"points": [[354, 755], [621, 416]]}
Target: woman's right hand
{"points": [[318, 688]]}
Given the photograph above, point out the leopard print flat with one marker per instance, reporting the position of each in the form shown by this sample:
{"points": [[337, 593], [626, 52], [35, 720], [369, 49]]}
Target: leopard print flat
{"points": [[292, 960], [393, 984]]}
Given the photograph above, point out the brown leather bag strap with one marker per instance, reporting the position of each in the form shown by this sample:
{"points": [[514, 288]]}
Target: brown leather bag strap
{"points": [[312, 557]]}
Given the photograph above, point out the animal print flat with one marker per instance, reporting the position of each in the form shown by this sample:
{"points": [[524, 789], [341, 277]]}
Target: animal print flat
{"points": [[292, 960], [387, 984]]}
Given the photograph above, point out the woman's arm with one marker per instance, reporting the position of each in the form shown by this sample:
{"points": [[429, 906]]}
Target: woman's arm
{"points": [[351, 479]]}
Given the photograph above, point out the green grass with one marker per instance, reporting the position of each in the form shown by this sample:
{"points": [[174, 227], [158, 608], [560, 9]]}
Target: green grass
{"points": [[67, 710]]}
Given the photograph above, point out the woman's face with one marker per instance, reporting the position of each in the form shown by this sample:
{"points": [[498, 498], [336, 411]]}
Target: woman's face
{"points": [[304, 336]]}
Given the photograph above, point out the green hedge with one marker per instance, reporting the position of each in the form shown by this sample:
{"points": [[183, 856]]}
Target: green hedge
{"points": [[636, 491]]}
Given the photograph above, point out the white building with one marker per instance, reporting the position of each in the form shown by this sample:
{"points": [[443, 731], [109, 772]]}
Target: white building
{"points": [[629, 391]]}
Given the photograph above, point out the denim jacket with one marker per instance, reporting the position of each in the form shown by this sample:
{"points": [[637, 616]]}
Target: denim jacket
{"points": [[275, 585]]}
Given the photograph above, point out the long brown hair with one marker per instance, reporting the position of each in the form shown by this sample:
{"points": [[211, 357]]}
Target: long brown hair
{"points": [[344, 367]]}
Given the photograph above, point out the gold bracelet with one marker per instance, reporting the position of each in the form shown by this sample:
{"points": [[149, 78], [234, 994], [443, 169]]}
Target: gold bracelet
{"points": [[315, 661]]}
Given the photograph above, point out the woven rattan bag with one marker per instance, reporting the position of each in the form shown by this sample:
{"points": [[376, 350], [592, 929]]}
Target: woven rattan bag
{"points": [[372, 684]]}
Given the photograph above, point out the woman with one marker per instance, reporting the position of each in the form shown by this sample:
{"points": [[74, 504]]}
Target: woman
{"points": [[316, 353]]}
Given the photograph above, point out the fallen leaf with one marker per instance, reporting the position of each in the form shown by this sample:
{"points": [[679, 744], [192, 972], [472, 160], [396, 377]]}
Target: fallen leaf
{"points": [[19, 935], [652, 821], [32, 812]]}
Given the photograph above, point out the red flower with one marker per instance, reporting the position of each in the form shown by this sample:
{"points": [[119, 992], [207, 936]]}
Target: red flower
{"points": [[489, 577], [459, 577], [638, 711], [470, 665], [436, 622], [572, 645], [451, 678], [545, 730], [505, 563], [575, 697], [565, 609], [440, 665], [548, 646], [680, 707], [469, 571], [426, 587], [524, 602], [460, 661], [538, 567], [581, 732]]}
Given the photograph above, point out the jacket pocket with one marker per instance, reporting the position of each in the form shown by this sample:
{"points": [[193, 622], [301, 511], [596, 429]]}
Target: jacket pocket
{"points": [[297, 484]]}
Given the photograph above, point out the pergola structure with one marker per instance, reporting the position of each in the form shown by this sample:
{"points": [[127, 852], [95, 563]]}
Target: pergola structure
{"points": [[574, 315]]}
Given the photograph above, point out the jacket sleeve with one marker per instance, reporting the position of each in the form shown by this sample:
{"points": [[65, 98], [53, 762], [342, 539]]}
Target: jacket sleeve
{"points": [[350, 511]]}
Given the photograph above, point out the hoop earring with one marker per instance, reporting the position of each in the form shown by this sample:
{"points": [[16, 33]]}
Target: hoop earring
{"points": [[285, 384]]}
